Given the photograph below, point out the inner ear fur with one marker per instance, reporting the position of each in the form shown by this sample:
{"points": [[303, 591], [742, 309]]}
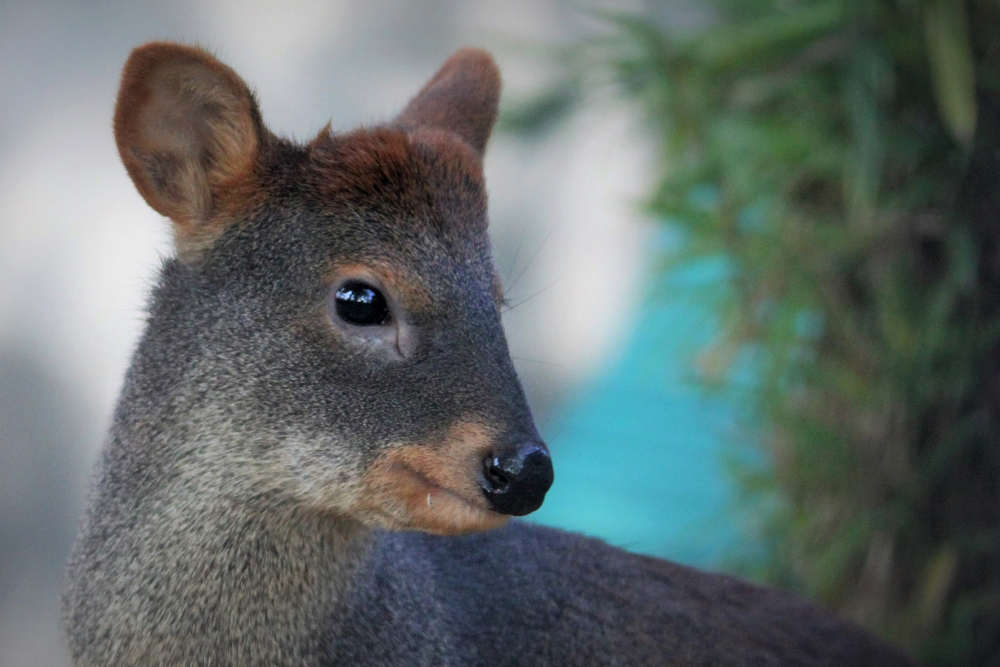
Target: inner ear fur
{"points": [[187, 128], [462, 99]]}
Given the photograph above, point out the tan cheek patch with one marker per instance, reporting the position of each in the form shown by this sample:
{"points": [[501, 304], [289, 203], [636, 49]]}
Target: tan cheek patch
{"points": [[432, 487]]}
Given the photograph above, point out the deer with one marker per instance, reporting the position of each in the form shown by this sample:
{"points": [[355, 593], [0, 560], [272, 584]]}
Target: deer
{"points": [[321, 437]]}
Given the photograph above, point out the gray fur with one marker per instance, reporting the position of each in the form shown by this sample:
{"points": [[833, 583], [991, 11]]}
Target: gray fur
{"points": [[223, 526]]}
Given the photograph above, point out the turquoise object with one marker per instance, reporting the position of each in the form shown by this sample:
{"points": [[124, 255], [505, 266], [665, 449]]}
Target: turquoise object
{"points": [[640, 451]]}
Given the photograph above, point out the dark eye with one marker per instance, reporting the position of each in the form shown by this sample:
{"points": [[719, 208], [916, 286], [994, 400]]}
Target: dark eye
{"points": [[361, 304]]}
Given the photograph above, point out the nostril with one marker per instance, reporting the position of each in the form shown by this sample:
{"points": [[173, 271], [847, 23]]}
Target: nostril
{"points": [[495, 476]]}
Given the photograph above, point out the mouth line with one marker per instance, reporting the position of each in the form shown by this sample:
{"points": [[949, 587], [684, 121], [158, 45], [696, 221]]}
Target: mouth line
{"points": [[448, 493]]}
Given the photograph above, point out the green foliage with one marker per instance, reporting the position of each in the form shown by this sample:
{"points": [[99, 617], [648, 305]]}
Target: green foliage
{"points": [[840, 155]]}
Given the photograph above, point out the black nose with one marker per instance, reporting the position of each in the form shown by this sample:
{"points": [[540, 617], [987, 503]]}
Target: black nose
{"points": [[515, 480]]}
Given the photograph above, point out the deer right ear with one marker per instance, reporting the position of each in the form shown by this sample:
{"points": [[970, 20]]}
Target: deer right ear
{"points": [[187, 128], [461, 98]]}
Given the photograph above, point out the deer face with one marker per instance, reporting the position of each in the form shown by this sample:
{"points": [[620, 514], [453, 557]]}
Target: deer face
{"points": [[341, 295]]}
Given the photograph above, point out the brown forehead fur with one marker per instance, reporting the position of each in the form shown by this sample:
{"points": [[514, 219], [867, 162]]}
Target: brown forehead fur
{"points": [[420, 177], [408, 170]]}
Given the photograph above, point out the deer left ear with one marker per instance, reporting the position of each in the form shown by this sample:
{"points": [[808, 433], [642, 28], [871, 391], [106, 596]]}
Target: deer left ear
{"points": [[188, 130], [462, 98]]}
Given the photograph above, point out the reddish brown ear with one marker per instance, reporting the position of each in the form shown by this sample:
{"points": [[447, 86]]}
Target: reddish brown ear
{"points": [[187, 127], [462, 98]]}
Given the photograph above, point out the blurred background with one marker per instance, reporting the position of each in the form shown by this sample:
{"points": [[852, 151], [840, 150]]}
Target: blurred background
{"points": [[751, 249]]}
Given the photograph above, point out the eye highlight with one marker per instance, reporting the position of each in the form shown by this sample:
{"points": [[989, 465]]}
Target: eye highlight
{"points": [[361, 304]]}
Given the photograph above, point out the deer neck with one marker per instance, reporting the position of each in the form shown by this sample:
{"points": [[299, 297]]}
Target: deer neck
{"points": [[201, 571]]}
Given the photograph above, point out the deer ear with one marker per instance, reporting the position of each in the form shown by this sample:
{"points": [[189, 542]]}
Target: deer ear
{"points": [[187, 127], [462, 98]]}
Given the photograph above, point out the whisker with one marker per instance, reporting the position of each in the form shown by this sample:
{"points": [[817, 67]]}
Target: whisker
{"points": [[526, 299], [530, 261], [517, 253], [539, 361]]}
